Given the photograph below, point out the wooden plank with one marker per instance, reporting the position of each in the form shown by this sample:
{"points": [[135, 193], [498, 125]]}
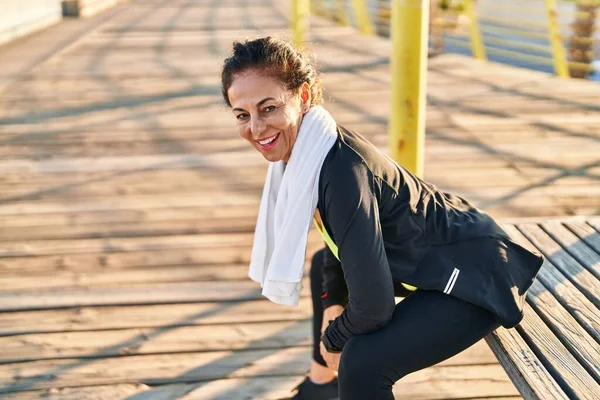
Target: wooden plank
{"points": [[112, 217], [194, 226], [153, 369], [587, 283], [594, 222], [150, 316], [99, 135], [569, 374], [451, 383], [522, 365], [587, 233], [104, 184], [580, 343], [56, 150], [164, 340], [230, 159], [178, 339], [132, 203], [129, 244], [154, 293], [106, 261], [585, 255], [116, 392], [71, 279], [109, 245], [584, 311], [205, 366]]}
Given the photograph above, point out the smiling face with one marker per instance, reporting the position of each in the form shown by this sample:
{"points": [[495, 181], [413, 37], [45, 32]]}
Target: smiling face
{"points": [[268, 114]]}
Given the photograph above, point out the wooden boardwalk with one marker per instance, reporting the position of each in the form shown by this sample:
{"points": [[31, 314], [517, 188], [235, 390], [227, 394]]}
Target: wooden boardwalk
{"points": [[128, 202]]}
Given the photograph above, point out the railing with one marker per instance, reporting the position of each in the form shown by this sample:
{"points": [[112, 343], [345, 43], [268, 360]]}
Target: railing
{"points": [[559, 36], [550, 35]]}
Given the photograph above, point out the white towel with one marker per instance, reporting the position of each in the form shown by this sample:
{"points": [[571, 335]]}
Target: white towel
{"points": [[287, 208]]}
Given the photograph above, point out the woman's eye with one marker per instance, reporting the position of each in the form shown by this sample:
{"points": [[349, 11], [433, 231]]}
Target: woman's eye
{"points": [[241, 117], [270, 108]]}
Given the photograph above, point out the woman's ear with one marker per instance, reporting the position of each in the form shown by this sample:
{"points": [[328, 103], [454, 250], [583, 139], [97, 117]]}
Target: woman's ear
{"points": [[305, 96]]}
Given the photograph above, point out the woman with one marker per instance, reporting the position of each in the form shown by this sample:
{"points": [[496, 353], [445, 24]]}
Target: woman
{"points": [[388, 234]]}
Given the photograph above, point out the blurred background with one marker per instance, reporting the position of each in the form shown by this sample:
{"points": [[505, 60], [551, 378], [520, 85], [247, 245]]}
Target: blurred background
{"points": [[128, 201], [515, 32]]}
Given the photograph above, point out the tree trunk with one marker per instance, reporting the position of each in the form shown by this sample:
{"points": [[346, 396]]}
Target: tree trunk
{"points": [[581, 43]]}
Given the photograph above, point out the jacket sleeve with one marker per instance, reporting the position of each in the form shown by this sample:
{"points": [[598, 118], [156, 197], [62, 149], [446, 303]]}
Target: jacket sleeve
{"points": [[352, 212], [335, 291]]}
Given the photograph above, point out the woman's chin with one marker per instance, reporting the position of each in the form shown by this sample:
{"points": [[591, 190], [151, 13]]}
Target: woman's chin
{"points": [[271, 156]]}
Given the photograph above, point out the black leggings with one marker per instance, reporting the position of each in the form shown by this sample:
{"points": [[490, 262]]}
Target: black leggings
{"points": [[427, 327]]}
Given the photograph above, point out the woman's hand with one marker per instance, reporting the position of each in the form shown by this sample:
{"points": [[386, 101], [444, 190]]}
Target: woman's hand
{"points": [[331, 359], [329, 314]]}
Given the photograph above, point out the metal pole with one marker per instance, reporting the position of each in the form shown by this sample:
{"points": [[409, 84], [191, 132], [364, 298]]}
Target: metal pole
{"points": [[410, 33], [361, 11], [300, 13], [477, 47], [561, 67]]}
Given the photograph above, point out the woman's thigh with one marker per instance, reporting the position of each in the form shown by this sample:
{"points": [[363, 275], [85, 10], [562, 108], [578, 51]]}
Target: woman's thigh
{"points": [[427, 327]]}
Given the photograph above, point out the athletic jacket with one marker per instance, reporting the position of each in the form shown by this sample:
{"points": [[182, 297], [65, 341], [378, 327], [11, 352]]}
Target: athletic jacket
{"points": [[392, 232]]}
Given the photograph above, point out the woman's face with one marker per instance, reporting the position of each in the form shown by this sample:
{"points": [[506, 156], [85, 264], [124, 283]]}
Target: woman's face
{"points": [[268, 115]]}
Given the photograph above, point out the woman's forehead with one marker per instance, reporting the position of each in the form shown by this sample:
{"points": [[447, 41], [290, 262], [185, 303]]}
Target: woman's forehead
{"points": [[252, 85]]}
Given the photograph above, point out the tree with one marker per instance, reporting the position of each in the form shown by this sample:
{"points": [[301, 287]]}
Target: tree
{"points": [[581, 42]]}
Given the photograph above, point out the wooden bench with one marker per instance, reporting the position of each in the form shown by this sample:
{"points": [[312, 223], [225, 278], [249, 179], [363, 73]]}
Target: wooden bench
{"points": [[554, 353]]}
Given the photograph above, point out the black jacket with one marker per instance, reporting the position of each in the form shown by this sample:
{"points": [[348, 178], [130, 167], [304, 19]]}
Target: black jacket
{"points": [[391, 227]]}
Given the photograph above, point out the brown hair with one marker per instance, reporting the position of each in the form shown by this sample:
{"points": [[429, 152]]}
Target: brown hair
{"points": [[277, 58]]}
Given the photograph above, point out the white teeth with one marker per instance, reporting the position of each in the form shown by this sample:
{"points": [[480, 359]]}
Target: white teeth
{"points": [[267, 141]]}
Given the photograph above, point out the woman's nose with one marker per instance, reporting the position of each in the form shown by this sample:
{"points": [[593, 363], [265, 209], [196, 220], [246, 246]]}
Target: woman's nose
{"points": [[257, 126]]}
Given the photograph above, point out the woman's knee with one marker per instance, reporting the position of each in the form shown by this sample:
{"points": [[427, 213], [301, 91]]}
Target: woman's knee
{"points": [[360, 362]]}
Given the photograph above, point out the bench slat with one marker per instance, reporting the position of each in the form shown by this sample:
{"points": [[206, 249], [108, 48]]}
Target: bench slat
{"points": [[586, 233], [564, 335], [595, 223], [574, 246], [583, 279], [581, 345], [569, 374], [523, 367], [586, 313]]}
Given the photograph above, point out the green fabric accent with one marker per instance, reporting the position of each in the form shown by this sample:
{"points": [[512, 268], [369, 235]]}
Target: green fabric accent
{"points": [[334, 249], [327, 238]]}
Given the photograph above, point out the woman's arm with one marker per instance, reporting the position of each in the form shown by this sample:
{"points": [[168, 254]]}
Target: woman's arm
{"points": [[352, 212], [335, 291]]}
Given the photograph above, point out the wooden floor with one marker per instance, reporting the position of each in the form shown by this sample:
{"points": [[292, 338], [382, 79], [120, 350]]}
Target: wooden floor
{"points": [[128, 202]]}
